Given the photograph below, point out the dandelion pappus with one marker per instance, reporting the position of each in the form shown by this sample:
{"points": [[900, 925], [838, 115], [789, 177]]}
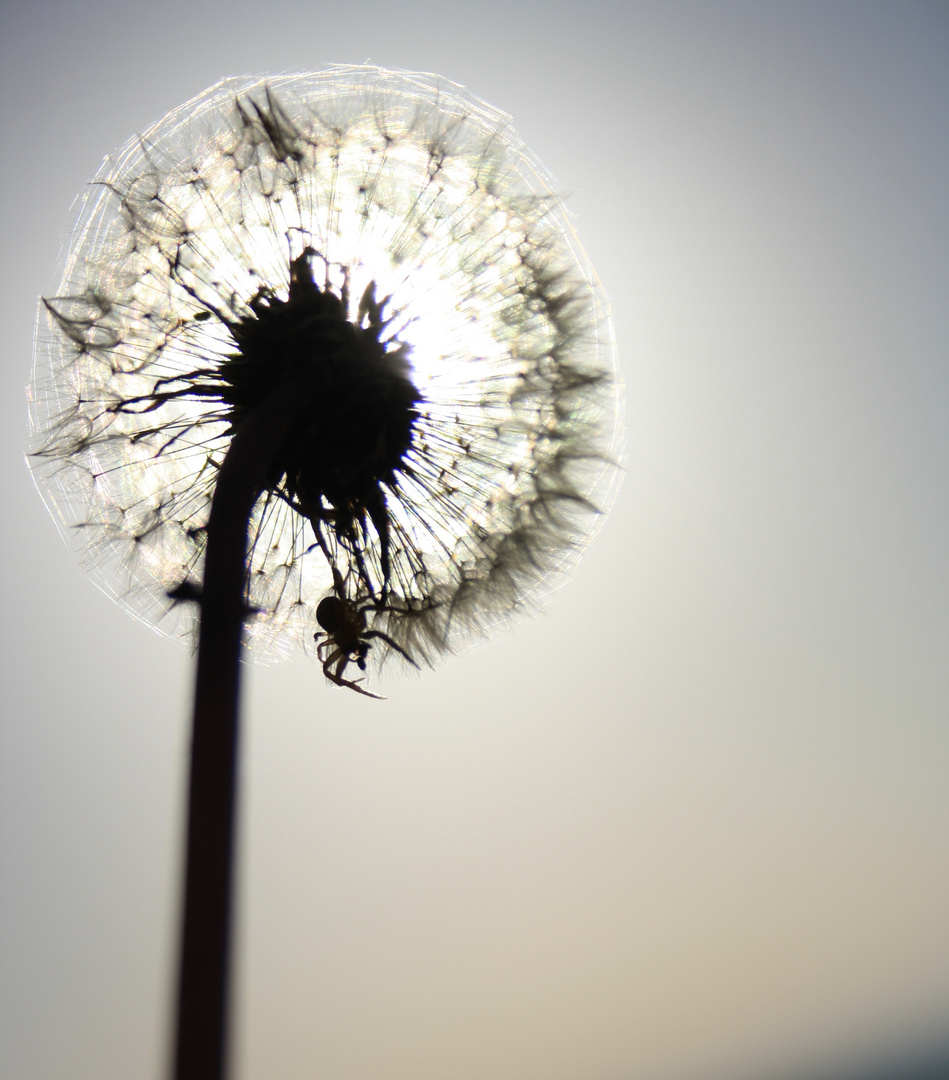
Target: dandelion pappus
{"points": [[383, 245]]}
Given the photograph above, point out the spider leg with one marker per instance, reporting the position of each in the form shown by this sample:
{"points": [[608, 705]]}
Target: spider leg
{"points": [[343, 661], [336, 677], [354, 685], [331, 659], [322, 646], [385, 637]]}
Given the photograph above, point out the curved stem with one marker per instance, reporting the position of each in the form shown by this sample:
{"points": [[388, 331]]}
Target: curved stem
{"points": [[205, 944]]}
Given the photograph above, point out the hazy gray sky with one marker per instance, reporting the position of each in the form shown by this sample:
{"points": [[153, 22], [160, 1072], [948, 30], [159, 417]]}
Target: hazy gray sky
{"points": [[691, 821]]}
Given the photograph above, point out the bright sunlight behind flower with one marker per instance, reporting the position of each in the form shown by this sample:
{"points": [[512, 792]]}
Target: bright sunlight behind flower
{"points": [[386, 240]]}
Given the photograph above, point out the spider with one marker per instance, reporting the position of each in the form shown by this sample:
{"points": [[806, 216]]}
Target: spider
{"points": [[347, 640]]}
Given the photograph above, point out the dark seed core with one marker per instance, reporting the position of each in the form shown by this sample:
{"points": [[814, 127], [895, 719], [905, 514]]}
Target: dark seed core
{"points": [[355, 438]]}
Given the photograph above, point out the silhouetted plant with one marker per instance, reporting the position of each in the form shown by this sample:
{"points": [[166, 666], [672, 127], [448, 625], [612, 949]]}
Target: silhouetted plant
{"points": [[327, 359]]}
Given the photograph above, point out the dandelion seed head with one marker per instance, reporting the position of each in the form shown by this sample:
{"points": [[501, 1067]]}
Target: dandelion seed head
{"points": [[387, 238]]}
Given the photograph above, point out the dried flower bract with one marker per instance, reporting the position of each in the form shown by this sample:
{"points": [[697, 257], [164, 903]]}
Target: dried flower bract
{"points": [[384, 242]]}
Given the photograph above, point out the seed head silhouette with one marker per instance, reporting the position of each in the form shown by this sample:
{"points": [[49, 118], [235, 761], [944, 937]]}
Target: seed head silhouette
{"points": [[386, 242]]}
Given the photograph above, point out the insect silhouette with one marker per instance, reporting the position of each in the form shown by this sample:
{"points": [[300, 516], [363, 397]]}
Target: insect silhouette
{"points": [[346, 639]]}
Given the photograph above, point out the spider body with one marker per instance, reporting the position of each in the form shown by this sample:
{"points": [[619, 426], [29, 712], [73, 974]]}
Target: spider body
{"points": [[346, 640]]}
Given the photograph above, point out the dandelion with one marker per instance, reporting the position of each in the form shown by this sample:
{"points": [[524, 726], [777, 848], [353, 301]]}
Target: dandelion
{"points": [[327, 359], [386, 240]]}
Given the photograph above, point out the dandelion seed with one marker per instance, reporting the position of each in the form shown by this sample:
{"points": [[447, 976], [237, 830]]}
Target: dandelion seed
{"points": [[386, 243]]}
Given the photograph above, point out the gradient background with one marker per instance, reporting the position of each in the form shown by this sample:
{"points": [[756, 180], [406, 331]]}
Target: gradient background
{"points": [[691, 821]]}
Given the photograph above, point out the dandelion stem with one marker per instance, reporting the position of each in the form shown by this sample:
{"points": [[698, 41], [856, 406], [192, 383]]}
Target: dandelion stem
{"points": [[205, 944]]}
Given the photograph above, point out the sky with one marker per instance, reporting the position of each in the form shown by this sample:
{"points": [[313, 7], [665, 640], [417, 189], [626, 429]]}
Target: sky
{"points": [[691, 820]]}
